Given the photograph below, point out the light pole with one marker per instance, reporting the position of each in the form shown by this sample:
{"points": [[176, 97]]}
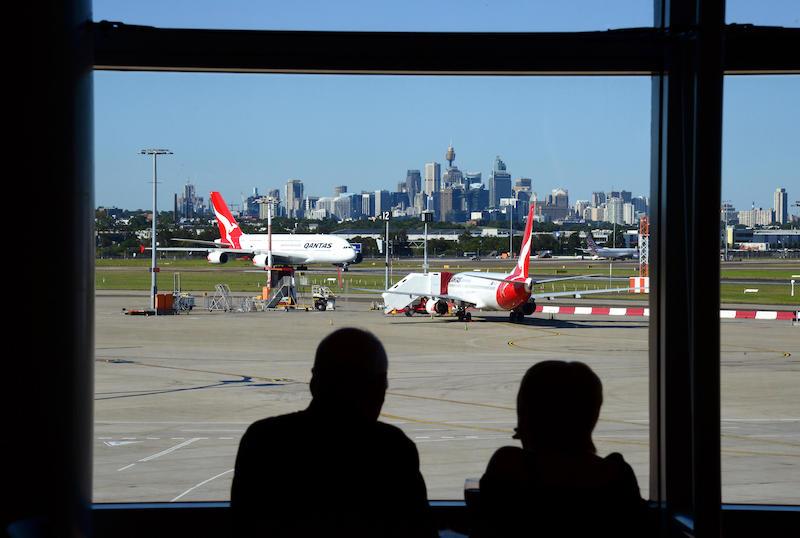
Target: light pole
{"points": [[154, 263], [511, 231], [427, 216], [386, 215]]}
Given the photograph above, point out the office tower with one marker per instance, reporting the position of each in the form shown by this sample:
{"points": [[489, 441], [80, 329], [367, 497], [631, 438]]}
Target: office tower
{"points": [[294, 198], [419, 202], [188, 202], [401, 187], [368, 204], [598, 199], [413, 184], [728, 214], [628, 214], [383, 202], [433, 178], [523, 185], [781, 205], [473, 180], [499, 183], [477, 199], [399, 199], [453, 177], [339, 190], [310, 203], [275, 194], [559, 198], [580, 208], [613, 194], [614, 210], [626, 196], [445, 204], [640, 204], [756, 217]]}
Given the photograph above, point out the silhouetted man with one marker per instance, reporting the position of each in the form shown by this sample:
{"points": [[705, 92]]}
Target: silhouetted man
{"points": [[332, 469], [556, 484]]}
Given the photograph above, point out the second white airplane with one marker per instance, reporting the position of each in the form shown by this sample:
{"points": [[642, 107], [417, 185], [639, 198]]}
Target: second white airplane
{"points": [[511, 292]]}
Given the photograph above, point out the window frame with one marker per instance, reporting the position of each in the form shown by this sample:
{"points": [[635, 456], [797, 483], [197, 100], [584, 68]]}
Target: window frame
{"points": [[687, 52]]}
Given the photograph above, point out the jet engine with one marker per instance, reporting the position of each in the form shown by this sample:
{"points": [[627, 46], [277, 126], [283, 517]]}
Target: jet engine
{"points": [[217, 256], [432, 306], [529, 308], [260, 260]]}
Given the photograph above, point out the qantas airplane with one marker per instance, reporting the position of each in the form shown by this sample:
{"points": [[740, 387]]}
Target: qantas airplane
{"points": [[485, 291], [287, 249], [612, 253]]}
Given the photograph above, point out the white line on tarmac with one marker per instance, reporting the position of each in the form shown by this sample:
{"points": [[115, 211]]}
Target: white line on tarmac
{"points": [[167, 451], [126, 467], [201, 484]]}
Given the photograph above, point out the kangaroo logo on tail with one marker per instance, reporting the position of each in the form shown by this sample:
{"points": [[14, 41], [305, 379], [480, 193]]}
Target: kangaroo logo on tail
{"points": [[521, 270], [229, 230], [590, 242]]}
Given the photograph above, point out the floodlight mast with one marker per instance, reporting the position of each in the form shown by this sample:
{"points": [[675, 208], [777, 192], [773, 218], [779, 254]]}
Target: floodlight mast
{"points": [[153, 243]]}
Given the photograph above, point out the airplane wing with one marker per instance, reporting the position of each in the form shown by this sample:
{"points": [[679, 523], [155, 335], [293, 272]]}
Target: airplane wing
{"points": [[548, 295], [240, 251], [200, 242], [534, 282]]}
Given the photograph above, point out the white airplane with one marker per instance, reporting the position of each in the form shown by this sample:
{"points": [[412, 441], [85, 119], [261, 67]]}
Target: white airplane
{"points": [[612, 253], [511, 292], [287, 249]]}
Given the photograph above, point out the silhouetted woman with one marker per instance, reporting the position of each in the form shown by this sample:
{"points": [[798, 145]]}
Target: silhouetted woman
{"points": [[556, 484]]}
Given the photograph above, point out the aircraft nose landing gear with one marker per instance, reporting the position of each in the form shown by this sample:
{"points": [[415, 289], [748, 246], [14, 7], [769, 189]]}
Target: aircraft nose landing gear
{"points": [[463, 315], [516, 317]]}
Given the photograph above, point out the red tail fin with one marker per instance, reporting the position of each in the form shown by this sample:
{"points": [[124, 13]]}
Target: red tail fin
{"points": [[229, 230], [521, 270]]}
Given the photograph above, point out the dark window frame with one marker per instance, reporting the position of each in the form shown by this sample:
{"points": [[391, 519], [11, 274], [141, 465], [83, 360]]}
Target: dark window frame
{"points": [[687, 52]]}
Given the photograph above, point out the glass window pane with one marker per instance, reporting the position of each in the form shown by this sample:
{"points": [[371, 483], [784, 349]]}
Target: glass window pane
{"points": [[175, 393], [765, 12], [760, 361], [363, 15]]}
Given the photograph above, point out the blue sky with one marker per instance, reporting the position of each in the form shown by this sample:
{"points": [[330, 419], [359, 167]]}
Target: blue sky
{"points": [[236, 132]]}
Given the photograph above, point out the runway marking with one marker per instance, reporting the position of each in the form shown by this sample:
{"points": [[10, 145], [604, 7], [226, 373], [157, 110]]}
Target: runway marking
{"points": [[168, 451], [126, 467], [204, 482]]}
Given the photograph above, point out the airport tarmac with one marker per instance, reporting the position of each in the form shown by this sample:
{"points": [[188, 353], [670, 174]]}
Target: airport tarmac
{"points": [[174, 394]]}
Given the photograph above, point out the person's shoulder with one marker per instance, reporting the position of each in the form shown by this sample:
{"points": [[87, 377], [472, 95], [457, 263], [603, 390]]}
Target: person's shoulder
{"points": [[269, 425], [617, 463], [506, 462], [392, 434]]}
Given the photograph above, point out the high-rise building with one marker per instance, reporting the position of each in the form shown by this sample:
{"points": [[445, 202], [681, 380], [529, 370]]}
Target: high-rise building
{"points": [[756, 217], [453, 177], [640, 204], [781, 205], [580, 207], [368, 204], [499, 183], [523, 184], [477, 199], [294, 198], [383, 202], [615, 210], [626, 196], [413, 184], [628, 213], [310, 203], [728, 214], [433, 178], [558, 198], [598, 199], [473, 180], [445, 204], [339, 190]]}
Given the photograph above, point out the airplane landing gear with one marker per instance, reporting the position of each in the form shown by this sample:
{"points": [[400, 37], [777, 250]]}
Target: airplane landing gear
{"points": [[463, 315], [516, 317]]}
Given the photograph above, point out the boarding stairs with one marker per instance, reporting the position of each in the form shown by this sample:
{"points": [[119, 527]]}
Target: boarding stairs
{"points": [[284, 294], [221, 300]]}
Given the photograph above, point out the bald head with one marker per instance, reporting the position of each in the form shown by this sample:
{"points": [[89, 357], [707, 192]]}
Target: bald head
{"points": [[349, 374]]}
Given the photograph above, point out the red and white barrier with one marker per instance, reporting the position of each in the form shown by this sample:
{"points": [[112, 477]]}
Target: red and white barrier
{"points": [[644, 312]]}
